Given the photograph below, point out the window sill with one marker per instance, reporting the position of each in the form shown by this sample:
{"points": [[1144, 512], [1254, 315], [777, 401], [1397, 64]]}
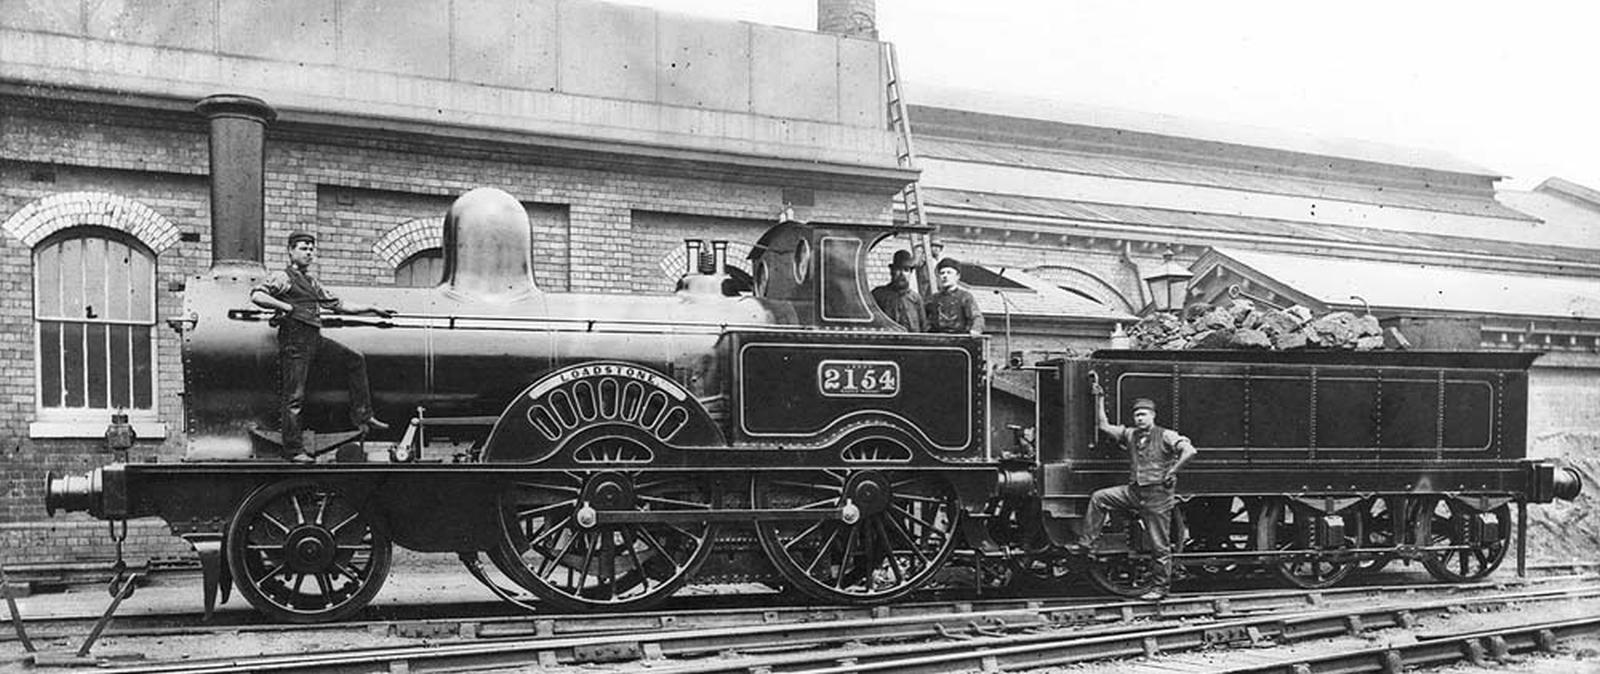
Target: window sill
{"points": [[146, 430]]}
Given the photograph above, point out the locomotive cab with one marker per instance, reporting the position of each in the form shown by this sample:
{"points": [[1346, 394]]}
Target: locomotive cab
{"points": [[818, 268]]}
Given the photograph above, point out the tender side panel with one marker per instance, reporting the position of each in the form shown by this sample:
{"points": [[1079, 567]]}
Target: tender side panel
{"points": [[1302, 423], [1329, 411]]}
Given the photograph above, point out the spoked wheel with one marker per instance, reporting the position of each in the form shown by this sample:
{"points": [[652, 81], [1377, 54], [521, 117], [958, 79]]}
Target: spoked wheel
{"points": [[1218, 525], [897, 530], [1446, 522], [1379, 527], [556, 543], [303, 553], [1282, 528]]}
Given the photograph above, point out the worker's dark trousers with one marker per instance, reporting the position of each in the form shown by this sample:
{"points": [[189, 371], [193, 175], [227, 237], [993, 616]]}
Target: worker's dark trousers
{"points": [[1154, 505], [300, 345]]}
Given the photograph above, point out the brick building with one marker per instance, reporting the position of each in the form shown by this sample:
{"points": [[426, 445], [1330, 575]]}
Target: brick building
{"points": [[625, 130], [622, 129]]}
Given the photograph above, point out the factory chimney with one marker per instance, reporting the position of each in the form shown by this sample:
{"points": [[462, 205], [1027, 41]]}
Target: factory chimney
{"points": [[851, 18]]}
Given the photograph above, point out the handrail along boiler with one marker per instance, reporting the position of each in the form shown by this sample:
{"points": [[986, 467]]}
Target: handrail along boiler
{"points": [[597, 449]]}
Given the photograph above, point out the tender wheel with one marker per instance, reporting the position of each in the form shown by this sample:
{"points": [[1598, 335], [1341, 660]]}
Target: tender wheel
{"points": [[1378, 527], [1281, 527], [899, 529], [303, 553], [555, 544], [1218, 525], [1123, 575], [1128, 569], [1445, 522]]}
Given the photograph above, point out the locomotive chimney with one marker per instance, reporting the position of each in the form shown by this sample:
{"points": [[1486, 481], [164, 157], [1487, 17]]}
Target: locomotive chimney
{"points": [[487, 250], [238, 174]]}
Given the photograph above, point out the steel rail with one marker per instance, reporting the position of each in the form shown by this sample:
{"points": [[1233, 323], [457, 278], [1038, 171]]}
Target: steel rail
{"points": [[1479, 648], [1036, 651], [487, 620], [977, 628]]}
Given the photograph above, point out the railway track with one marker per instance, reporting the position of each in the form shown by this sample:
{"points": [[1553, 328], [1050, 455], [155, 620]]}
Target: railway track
{"points": [[986, 635]]}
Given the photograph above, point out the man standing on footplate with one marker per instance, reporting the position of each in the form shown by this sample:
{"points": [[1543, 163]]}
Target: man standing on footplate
{"points": [[1156, 455]]}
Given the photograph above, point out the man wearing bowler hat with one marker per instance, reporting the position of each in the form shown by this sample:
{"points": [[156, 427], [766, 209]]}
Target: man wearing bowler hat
{"points": [[300, 299], [898, 298], [1156, 455]]}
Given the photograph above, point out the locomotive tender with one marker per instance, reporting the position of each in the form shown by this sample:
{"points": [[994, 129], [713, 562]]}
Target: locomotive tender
{"points": [[599, 448]]}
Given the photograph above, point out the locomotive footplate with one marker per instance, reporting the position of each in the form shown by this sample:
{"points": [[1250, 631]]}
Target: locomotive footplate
{"points": [[845, 514]]}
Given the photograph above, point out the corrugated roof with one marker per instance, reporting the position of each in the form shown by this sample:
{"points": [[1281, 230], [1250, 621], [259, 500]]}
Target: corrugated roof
{"points": [[1173, 196], [1422, 286], [1026, 107], [1145, 169], [1300, 232]]}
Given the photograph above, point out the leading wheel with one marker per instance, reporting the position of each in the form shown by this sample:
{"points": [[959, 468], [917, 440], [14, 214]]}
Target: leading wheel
{"points": [[301, 552], [1280, 527], [556, 543], [898, 529], [1472, 549]]}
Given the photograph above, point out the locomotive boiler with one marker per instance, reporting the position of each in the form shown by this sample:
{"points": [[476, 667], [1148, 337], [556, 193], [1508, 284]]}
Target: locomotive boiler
{"points": [[597, 449]]}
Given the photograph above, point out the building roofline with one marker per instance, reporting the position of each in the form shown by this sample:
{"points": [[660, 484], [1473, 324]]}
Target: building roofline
{"points": [[1190, 129]]}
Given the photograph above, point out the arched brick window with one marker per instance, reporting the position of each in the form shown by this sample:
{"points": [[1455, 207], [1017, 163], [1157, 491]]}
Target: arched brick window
{"points": [[95, 313], [423, 269]]}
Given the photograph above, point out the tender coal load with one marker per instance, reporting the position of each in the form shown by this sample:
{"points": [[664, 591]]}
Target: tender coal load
{"points": [[1241, 325]]}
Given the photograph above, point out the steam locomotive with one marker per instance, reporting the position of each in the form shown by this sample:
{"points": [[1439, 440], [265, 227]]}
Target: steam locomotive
{"points": [[597, 449]]}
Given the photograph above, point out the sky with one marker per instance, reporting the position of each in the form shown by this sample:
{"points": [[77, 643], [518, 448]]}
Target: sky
{"points": [[1508, 86]]}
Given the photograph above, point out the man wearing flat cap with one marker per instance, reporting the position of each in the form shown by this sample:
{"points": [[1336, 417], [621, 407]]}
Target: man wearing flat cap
{"points": [[953, 309], [1156, 455], [300, 299], [898, 298]]}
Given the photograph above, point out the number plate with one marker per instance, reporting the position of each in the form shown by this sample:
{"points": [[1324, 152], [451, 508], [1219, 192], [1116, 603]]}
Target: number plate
{"points": [[858, 378]]}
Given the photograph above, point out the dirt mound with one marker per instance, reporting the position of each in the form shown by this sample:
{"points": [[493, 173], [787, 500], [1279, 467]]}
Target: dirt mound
{"points": [[1567, 531]]}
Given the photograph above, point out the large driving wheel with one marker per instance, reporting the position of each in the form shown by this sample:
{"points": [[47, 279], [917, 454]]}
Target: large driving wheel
{"points": [[1280, 527], [898, 529], [556, 543], [1441, 522], [301, 552]]}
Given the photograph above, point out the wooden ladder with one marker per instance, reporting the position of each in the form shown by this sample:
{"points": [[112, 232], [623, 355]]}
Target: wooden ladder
{"points": [[906, 157]]}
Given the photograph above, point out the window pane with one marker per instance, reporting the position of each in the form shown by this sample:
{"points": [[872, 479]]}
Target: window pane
{"points": [[72, 279], [72, 363], [94, 280], [95, 359], [119, 286], [142, 283], [121, 368], [143, 383], [48, 273], [50, 363]]}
